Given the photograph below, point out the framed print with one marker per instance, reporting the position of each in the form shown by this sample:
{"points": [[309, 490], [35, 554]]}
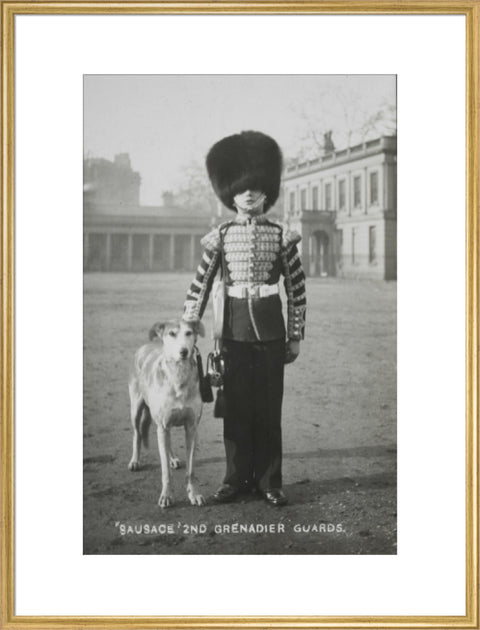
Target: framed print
{"points": [[163, 245], [312, 173]]}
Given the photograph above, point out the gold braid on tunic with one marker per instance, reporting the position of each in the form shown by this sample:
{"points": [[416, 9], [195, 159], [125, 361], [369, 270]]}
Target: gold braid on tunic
{"points": [[257, 251]]}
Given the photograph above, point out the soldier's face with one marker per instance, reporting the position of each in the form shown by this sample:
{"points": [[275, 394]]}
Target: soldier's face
{"points": [[250, 202]]}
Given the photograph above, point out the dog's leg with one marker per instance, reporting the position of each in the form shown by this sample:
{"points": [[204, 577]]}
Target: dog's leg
{"points": [[174, 460], [166, 496], [137, 408], [191, 439]]}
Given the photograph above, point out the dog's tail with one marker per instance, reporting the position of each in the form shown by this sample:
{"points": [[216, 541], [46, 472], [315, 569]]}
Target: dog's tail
{"points": [[145, 422]]}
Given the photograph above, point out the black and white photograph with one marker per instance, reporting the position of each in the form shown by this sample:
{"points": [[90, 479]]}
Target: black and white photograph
{"points": [[240, 314]]}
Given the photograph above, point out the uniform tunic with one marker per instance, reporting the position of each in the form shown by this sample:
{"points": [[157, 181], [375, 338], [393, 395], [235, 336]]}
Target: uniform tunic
{"points": [[251, 253]]}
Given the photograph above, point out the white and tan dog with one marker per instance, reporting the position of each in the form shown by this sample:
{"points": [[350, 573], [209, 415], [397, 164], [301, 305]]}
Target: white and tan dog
{"points": [[164, 386]]}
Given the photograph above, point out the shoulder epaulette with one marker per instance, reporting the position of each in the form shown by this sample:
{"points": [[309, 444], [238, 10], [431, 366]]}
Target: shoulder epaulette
{"points": [[290, 237], [212, 239]]}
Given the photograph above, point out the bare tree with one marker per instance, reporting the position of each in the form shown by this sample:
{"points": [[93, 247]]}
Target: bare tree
{"points": [[196, 192], [341, 115], [381, 122]]}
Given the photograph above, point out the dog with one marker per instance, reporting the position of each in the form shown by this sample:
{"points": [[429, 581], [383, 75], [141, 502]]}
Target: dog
{"points": [[164, 387]]}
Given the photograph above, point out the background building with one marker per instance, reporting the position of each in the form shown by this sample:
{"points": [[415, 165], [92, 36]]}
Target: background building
{"points": [[111, 182], [344, 206], [121, 235], [343, 203]]}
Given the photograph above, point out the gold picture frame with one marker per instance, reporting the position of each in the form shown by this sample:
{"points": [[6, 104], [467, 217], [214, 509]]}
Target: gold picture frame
{"points": [[468, 8]]}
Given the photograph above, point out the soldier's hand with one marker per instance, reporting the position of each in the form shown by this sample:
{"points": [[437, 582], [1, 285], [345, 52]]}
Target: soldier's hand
{"points": [[292, 350]]}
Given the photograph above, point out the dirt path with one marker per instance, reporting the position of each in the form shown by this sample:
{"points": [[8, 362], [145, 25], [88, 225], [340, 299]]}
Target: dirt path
{"points": [[339, 431]]}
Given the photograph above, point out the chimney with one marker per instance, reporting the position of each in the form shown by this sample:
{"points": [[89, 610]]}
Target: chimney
{"points": [[168, 198], [123, 160]]}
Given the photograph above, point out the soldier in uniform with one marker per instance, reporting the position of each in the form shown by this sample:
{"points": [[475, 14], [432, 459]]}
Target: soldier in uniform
{"points": [[252, 253]]}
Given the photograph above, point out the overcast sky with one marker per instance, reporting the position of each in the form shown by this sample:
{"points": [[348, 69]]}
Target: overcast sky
{"points": [[166, 121]]}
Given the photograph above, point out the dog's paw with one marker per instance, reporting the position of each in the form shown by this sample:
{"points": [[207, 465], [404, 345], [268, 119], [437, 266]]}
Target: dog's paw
{"points": [[165, 500], [175, 462], [196, 498], [133, 465]]}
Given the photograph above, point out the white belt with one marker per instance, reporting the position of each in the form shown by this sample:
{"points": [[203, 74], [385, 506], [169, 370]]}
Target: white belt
{"points": [[256, 291]]}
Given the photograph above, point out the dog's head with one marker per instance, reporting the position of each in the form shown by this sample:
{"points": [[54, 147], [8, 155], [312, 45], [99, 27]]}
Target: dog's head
{"points": [[178, 337]]}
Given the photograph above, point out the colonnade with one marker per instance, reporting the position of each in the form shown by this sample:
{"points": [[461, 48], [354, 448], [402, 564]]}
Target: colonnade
{"points": [[136, 251]]}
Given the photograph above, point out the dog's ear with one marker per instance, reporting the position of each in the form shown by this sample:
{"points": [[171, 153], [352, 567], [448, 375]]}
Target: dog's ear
{"points": [[156, 331], [199, 328], [196, 325]]}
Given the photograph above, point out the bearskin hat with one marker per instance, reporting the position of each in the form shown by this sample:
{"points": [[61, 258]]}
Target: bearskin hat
{"points": [[249, 160]]}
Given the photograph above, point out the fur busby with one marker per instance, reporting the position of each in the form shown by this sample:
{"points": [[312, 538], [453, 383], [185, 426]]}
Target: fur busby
{"points": [[249, 160]]}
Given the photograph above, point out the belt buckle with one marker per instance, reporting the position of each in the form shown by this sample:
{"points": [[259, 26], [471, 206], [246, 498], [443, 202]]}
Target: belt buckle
{"points": [[252, 291]]}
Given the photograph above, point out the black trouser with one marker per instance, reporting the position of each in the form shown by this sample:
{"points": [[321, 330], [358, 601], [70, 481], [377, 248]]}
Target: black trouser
{"points": [[252, 424]]}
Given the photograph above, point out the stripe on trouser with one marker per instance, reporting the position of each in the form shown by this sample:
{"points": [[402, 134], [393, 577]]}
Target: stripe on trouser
{"points": [[252, 318]]}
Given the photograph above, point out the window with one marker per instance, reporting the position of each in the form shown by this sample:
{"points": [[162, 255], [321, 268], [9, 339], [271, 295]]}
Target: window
{"points": [[328, 196], [315, 198], [373, 188], [341, 195], [357, 191], [303, 199], [292, 202], [354, 234], [372, 244]]}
